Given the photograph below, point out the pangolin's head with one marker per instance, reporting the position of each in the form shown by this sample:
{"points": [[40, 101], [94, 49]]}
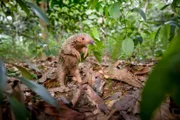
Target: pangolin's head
{"points": [[83, 38]]}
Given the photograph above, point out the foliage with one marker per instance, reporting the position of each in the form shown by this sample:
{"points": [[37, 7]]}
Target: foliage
{"points": [[20, 112], [109, 22], [121, 29], [40, 90], [3, 77], [163, 80], [18, 108], [128, 47]]}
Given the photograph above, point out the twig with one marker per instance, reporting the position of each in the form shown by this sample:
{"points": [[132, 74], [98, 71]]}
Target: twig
{"points": [[110, 114]]}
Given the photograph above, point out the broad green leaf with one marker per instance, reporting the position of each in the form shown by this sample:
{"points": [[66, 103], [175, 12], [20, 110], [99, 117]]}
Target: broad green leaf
{"points": [[40, 90], [98, 55], [25, 73], [154, 90], [99, 45], [175, 89], [172, 32], [97, 49], [114, 10], [117, 47], [19, 110], [3, 77], [174, 46], [155, 39], [164, 35], [23, 6], [141, 12], [164, 79], [128, 47], [95, 33], [38, 12]]}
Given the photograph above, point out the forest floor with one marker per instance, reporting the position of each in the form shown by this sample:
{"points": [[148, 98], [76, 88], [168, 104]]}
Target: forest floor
{"points": [[112, 92]]}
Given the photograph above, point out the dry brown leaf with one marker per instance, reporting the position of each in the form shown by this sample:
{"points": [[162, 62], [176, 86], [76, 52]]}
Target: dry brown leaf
{"points": [[163, 112], [126, 102], [96, 99], [98, 84], [127, 116], [45, 76], [64, 113], [76, 96], [59, 89], [122, 75], [143, 71]]}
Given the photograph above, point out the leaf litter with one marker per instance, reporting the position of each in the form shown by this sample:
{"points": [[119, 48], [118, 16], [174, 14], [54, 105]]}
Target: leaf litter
{"points": [[110, 91]]}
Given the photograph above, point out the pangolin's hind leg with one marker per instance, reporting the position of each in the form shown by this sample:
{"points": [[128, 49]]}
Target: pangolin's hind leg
{"points": [[75, 73], [61, 75]]}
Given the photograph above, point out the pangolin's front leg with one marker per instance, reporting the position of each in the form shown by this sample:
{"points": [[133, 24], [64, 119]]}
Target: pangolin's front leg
{"points": [[70, 50], [84, 50]]}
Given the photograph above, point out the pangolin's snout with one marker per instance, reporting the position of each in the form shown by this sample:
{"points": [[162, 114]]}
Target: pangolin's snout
{"points": [[91, 41]]}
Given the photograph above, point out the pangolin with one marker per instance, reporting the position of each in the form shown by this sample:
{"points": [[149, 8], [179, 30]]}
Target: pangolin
{"points": [[69, 56]]}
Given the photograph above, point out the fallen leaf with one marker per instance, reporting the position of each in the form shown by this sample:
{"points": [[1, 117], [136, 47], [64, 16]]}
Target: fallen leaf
{"points": [[143, 71], [163, 112], [127, 116], [96, 99], [64, 113], [126, 102], [122, 75]]}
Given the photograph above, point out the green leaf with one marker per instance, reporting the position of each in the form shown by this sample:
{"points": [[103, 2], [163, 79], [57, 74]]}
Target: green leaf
{"points": [[93, 3], [173, 23], [106, 9], [3, 77], [114, 10], [154, 90], [128, 47], [99, 45], [138, 39], [25, 73], [95, 33], [40, 90], [164, 79], [23, 6], [117, 48], [31, 65], [19, 110], [155, 39], [98, 55], [165, 35], [52, 3], [141, 12], [175, 6], [38, 12], [164, 7]]}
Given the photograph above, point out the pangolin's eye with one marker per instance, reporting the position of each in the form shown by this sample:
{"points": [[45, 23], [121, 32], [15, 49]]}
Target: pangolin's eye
{"points": [[82, 38]]}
